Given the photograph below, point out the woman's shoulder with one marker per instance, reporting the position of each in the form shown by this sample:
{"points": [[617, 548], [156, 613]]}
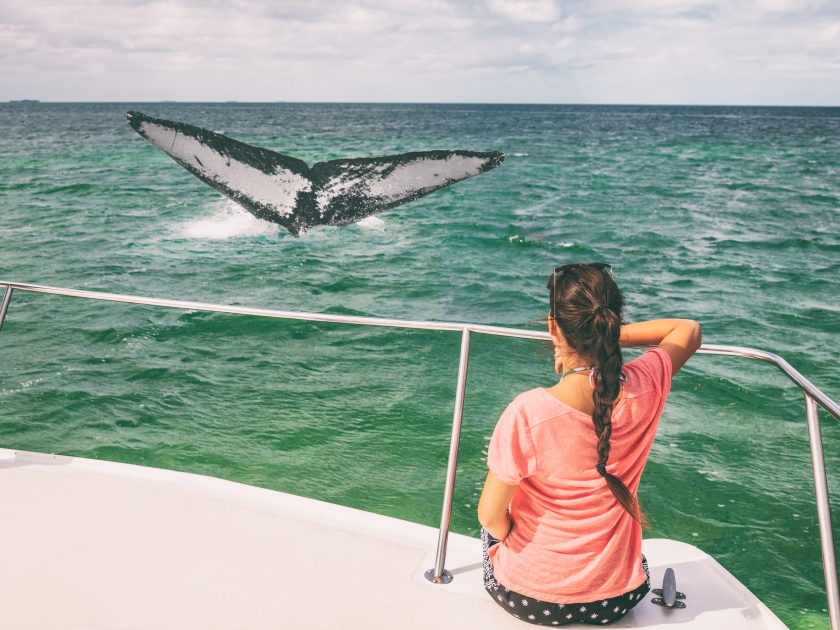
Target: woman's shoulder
{"points": [[537, 399], [535, 406], [650, 371], [530, 397]]}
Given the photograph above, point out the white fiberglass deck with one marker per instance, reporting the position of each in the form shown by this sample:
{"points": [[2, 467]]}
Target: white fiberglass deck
{"points": [[90, 544]]}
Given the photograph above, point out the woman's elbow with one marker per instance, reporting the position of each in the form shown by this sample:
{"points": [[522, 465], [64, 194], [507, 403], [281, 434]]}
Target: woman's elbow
{"points": [[696, 336], [484, 517], [490, 517], [689, 334], [498, 524]]}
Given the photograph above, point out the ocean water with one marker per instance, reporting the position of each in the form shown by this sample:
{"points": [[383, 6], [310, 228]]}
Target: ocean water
{"points": [[727, 215]]}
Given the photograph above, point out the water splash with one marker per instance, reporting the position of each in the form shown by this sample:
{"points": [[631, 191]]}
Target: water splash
{"points": [[372, 224], [229, 221]]}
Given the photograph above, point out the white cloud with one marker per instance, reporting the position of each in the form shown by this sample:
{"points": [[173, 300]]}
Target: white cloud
{"points": [[612, 51], [526, 10]]}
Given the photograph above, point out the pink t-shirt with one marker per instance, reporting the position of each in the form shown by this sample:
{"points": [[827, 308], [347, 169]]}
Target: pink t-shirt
{"points": [[572, 541]]}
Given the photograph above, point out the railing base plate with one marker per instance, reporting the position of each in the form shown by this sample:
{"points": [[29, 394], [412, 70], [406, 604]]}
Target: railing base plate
{"points": [[446, 578]]}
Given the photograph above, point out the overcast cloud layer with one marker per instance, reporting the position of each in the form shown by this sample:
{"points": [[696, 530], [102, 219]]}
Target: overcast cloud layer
{"points": [[771, 52]]}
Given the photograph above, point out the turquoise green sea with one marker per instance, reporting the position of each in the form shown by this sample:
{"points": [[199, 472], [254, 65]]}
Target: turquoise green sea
{"points": [[727, 215]]}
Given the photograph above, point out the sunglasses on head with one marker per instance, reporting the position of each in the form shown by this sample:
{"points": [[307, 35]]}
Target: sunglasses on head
{"points": [[566, 268]]}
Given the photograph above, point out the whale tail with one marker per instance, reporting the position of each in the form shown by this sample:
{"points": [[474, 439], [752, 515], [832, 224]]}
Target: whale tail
{"points": [[285, 190]]}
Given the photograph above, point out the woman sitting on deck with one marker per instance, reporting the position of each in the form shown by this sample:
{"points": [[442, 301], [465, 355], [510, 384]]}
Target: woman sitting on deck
{"points": [[562, 528]]}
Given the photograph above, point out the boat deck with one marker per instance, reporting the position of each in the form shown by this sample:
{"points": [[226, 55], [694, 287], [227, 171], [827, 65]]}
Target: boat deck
{"points": [[92, 544]]}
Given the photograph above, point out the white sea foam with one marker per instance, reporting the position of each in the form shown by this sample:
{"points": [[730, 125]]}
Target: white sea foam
{"points": [[229, 221], [372, 223]]}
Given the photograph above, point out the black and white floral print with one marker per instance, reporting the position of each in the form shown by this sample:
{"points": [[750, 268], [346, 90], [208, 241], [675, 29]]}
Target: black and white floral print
{"points": [[542, 613], [488, 541]]}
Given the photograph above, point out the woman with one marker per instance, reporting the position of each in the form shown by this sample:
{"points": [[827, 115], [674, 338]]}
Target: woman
{"points": [[561, 526]]}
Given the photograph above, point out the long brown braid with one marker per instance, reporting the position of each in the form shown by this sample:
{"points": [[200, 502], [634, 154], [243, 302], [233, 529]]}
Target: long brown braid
{"points": [[587, 304]]}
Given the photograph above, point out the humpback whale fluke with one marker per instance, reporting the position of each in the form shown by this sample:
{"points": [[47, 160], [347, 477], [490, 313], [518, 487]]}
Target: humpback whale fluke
{"points": [[285, 190]]}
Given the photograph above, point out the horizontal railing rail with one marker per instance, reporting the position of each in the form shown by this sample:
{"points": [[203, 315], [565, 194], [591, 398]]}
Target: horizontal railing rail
{"points": [[438, 574], [733, 351]]}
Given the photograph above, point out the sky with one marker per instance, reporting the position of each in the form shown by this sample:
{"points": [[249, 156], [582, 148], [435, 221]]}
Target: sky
{"points": [[719, 52]]}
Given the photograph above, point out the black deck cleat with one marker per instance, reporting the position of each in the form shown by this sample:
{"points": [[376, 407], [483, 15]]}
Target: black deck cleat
{"points": [[669, 596]]}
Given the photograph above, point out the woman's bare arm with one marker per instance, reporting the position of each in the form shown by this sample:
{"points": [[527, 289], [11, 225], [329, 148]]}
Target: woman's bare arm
{"points": [[680, 338], [493, 505]]}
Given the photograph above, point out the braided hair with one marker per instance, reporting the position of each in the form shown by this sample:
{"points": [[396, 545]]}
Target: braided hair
{"points": [[587, 304]]}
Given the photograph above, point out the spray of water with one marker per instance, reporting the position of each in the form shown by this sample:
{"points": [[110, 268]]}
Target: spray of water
{"points": [[229, 220]]}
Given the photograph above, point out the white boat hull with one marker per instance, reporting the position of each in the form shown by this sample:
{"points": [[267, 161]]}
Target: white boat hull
{"points": [[93, 544]]}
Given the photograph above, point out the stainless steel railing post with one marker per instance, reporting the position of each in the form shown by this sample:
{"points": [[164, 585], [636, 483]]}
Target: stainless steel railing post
{"points": [[438, 574], [7, 297], [823, 513]]}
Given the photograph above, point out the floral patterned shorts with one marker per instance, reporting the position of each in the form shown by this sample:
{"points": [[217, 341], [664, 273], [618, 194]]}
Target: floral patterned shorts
{"points": [[541, 613]]}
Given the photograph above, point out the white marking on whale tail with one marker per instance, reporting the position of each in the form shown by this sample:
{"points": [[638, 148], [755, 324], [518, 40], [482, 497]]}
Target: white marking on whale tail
{"points": [[229, 221], [276, 191]]}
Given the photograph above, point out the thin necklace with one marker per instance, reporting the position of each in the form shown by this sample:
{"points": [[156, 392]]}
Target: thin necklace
{"points": [[582, 368]]}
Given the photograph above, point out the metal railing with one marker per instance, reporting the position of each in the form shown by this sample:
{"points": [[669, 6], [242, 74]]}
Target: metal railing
{"points": [[438, 574]]}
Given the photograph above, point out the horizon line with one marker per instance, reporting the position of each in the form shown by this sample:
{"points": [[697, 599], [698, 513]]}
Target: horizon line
{"points": [[32, 101]]}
